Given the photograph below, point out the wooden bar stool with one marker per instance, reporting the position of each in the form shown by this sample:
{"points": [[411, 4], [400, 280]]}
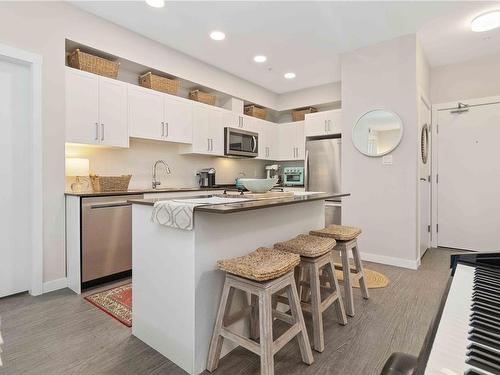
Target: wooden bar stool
{"points": [[261, 273], [315, 258], [346, 238]]}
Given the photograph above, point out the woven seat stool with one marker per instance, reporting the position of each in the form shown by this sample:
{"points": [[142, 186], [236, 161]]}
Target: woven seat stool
{"points": [[262, 273], [316, 258], [346, 238]]}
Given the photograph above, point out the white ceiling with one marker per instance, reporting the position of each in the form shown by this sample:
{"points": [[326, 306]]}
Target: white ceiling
{"points": [[304, 37]]}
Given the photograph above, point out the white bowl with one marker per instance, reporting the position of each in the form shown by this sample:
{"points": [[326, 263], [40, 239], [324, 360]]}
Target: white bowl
{"points": [[258, 185]]}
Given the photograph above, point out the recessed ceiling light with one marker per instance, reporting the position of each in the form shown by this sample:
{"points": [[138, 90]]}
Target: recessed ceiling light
{"points": [[289, 75], [260, 59], [156, 3], [217, 35], [486, 21]]}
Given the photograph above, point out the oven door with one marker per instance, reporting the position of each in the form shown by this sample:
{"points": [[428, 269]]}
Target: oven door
{"points": [[292, 179], [241, 143]]}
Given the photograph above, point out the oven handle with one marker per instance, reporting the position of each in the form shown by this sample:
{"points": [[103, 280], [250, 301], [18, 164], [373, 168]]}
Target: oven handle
{"points": [[254, 143]]}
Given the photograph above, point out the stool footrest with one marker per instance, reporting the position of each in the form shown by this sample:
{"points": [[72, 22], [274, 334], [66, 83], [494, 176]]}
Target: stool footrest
{"points": [[285, 338], [283, 317], [241, 340]]}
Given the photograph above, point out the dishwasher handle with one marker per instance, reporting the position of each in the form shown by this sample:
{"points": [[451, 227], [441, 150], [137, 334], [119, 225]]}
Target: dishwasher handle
{"points": [[110, 205]]}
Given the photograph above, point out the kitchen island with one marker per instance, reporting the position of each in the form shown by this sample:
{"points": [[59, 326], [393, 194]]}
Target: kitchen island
{"points": [[176, 284]]}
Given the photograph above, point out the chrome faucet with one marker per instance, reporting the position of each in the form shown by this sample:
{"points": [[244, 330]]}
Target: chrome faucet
{"points": [[156, 182]]}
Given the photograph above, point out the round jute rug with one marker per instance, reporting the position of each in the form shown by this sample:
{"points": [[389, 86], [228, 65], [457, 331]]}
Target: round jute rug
{"points": [[373, 279]]}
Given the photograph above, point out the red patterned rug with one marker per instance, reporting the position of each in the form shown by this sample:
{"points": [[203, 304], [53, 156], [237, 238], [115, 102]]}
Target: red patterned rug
{"points": [[116, 302]]}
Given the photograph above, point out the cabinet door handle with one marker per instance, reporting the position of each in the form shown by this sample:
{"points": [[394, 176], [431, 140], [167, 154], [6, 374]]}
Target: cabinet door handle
{"points": [[102, 132], [166, 129], [208, 144], [329, 123], [211, 144], [162, 129], [325, 126], [96, 131]]}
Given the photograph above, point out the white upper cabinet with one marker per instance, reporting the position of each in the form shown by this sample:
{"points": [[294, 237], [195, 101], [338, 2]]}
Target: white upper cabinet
{"points": [[208, 130], [291, 141], [178, 119], [145, 113], [154, 115], [323, 123], [96, 109], [268, 140]]}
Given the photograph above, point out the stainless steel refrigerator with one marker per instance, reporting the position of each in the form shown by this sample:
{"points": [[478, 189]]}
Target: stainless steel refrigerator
{"points": [[322, 173]]}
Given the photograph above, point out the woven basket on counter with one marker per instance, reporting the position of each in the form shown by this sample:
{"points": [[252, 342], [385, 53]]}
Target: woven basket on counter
{"points": [[254, 111], [110, 183], [202, 97], [300, 114], [159, 83], [93, 64]]}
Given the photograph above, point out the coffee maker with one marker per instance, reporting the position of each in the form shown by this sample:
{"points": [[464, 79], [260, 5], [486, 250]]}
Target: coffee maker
{"points": [[206, 177]]}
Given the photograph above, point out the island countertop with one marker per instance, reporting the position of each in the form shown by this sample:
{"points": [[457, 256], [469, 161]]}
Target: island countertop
{"points": [[251, 204]]}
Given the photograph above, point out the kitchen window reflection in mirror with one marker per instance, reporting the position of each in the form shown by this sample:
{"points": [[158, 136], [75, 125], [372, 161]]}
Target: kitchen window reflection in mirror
{"points": [[377, 132]]}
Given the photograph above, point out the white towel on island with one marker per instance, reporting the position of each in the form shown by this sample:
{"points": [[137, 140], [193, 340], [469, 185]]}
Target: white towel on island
{"points": [[174, 214], [179, 213]]}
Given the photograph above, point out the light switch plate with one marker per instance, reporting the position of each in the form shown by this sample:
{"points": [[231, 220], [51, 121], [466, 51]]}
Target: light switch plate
{"points": [[387, 160]]}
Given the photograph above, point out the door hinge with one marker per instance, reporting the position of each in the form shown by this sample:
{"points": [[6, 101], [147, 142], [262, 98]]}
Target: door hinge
{"points": [[428, 228], [429, 178], [437, 228]]}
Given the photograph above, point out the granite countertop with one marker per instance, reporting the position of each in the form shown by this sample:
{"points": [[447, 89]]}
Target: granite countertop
{"points": [[145, 191], [251, 204]]}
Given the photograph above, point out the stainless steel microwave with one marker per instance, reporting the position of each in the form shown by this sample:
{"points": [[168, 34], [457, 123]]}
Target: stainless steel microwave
{"points": [[239, 142]]}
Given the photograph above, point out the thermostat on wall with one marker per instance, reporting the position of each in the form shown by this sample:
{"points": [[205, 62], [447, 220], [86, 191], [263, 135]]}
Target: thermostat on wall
{"points": [[387, 160]]}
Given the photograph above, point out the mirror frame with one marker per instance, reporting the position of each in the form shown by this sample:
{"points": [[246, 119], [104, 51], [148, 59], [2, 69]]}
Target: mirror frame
{"points": [[387, 152]]}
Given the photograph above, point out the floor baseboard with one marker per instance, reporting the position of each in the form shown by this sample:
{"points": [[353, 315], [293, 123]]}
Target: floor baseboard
{"points": [[50, 286], [391, 261]]}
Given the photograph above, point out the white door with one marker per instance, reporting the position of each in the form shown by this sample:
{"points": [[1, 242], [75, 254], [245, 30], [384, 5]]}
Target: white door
{"points": [[425, 178], [178, 120], [82, 107], [469, 178], [16, 154], [145, 113], [113, 112]]}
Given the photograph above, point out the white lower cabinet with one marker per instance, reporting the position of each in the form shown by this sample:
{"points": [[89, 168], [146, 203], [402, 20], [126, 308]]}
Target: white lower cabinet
{"points": [[323, 123], [158, 116], [96, 110], [291, 141]]}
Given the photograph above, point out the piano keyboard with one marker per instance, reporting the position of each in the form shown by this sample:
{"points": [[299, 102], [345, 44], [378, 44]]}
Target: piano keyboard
{"points": [[467, 340]]}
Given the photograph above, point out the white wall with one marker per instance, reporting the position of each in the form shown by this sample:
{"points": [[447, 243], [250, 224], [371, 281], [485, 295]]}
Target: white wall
{"points": [[42, 27], [317, 95], [384, 197], [139, 158], [468, 80]]}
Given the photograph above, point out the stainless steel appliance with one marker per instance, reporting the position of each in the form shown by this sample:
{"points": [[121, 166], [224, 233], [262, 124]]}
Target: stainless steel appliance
{"points": [[106, 238], [239, 142], [206, 177], [322, 173], [293, 176]]}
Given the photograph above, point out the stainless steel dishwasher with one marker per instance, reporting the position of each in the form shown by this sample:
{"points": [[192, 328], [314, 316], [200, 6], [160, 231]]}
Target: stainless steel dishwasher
{"points": [[106, 237]]}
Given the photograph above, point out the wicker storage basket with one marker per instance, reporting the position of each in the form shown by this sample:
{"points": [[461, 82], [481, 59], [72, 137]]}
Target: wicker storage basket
{"points": [[110, 183], [202, 97], [300, 114], [93, 64], [158, 83], [254, 111]]}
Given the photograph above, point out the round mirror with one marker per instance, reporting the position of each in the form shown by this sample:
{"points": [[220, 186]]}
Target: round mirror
{"points": [[424, 143], [377, 132]]}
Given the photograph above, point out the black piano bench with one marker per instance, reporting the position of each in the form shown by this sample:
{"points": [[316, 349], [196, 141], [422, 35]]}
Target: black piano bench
{"points": [[400, 364]]}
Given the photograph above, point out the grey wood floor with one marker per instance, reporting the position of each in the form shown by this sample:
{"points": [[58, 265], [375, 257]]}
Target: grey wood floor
{"points": [[60, 333]]}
